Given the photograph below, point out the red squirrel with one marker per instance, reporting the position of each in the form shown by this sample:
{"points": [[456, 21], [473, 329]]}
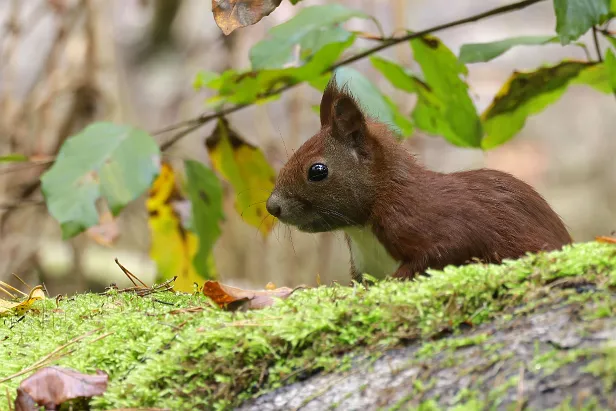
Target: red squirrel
{"points": [[400, 218]]}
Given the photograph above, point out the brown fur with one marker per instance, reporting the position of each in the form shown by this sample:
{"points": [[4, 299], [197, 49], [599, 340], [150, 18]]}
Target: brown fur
{"points": [[423, 218]]}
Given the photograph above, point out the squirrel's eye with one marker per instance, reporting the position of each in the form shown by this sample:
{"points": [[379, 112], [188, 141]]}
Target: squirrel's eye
{"points": [[317, 172]]}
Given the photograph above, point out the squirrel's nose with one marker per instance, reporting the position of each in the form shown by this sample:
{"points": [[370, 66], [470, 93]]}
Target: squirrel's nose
{"points": [[273, 206]]}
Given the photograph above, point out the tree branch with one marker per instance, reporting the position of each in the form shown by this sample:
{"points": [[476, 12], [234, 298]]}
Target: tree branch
{"points": [[195, 123]]}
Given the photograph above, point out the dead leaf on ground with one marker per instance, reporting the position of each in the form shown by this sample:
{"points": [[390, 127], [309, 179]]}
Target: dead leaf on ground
{"points": [[19, 307], [52, 386], [605, 239], [232, 14], [233, 298]]}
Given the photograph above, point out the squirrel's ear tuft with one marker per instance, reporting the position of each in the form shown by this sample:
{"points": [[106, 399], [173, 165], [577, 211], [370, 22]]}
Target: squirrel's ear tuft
{"points": [[329, 95], [348, 122]]}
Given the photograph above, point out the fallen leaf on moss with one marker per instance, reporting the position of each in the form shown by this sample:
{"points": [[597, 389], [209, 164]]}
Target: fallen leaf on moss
{"points": [[232, 14], [233, 298], [20, 307], [604, 239], [52, 386]]}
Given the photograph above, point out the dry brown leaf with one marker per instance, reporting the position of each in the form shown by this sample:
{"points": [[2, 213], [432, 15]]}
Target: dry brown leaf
{"points": [[52, 386], [605, 239], [107, 230], [232, 14], [233, 298]]}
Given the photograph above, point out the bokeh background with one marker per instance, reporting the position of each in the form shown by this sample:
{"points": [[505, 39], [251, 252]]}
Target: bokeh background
{"points": [[66, 63]]}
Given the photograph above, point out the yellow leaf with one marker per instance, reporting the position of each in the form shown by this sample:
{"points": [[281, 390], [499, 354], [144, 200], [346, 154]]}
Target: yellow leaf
{"points": [[245, 167], [19, 308], [173, 247]]}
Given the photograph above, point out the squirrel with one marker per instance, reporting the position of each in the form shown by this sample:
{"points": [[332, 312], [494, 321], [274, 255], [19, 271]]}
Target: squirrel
{"points": [[399, 218]]}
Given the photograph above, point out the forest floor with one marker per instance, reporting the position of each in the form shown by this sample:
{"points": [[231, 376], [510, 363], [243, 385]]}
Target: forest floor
{"points": [[537, 333]]}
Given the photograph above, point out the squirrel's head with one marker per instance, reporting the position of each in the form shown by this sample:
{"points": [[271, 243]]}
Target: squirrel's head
{"points": [[330, 181]]}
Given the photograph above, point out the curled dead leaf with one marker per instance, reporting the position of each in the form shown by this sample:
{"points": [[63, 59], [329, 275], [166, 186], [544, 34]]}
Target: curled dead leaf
{"points": [[604, 239], [233, 298], [52, 386], [10, 307], [232, 14]]}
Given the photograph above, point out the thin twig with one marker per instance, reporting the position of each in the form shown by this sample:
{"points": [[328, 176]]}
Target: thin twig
{"points": [[607, 32], [22, 281], [10, 287], [595, 39], [490, 13], [197, 122], [52, 355], [130, 275], [7, 292]]}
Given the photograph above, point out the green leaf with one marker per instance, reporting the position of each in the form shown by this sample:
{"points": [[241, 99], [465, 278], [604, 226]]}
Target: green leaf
{"points": [[596, 76], [203, 79], [115, 162], [320, 82], [528, 93], [13, 158], [610, 64], [248, 87], [444, 105], [428, 113], [246, 168], [312, 29], [373, 102], [205, 194], [482, 52], [576, 17], [397, 75], [403, 122], [294, 2]]}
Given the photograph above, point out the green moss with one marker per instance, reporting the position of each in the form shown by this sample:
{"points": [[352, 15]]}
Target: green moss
{"points": [[604, 366], [181, 360], [429, 349], [568, 405]]}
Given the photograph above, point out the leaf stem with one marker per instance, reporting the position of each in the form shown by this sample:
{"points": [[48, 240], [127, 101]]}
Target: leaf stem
{"points": [[195, 123], [595, 38]]}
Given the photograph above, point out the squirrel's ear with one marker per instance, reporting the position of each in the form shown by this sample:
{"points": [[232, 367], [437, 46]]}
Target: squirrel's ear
{"points": [[348, 121], [327, 100]]}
